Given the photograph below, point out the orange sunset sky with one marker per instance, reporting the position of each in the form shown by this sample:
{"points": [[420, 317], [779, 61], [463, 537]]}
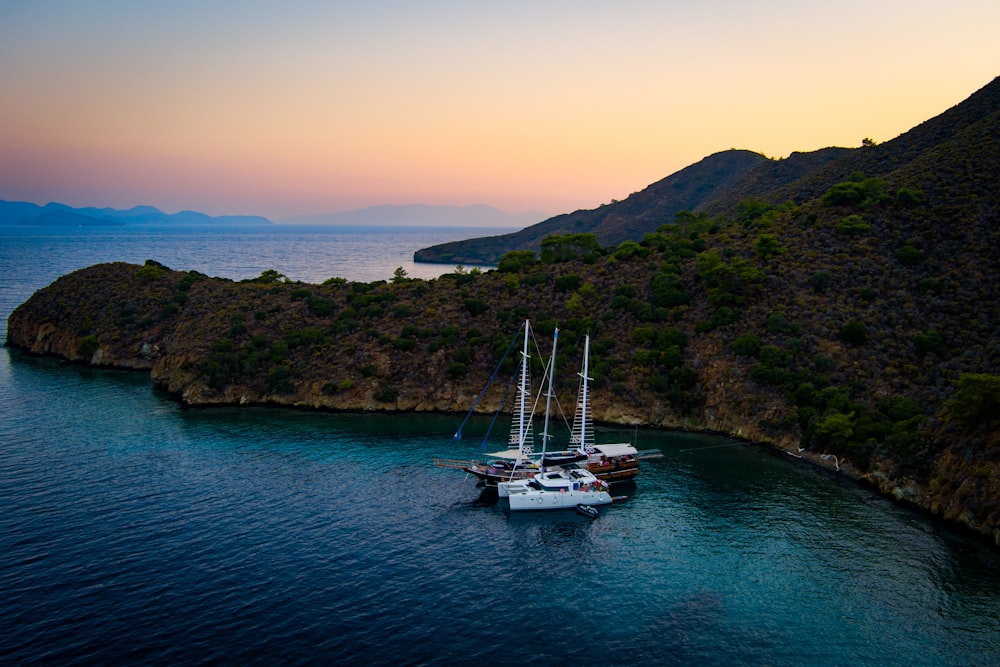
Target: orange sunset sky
{"points": [[296, 108]]}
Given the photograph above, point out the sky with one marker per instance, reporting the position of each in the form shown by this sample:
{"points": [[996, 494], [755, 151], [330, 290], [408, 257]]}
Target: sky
{"points": [[309, 107]]}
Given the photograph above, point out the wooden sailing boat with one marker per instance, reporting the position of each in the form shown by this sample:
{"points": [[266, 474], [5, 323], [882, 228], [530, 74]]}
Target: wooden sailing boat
{"points": [[617, 462], [557, 488]]}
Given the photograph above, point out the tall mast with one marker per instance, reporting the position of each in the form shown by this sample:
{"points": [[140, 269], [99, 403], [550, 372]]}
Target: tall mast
{"points": [[582, 436], [548, 395], [521, 426]]}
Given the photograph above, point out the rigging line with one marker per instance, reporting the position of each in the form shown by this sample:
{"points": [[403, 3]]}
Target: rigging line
{"points": [[458, 433], [503, 402]]}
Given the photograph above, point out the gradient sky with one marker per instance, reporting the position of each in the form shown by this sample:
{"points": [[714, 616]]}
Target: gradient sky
{"points": [[301, 107]]}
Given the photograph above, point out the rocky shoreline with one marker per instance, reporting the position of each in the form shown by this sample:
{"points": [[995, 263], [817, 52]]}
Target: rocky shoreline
{"points": [[173, 352]]}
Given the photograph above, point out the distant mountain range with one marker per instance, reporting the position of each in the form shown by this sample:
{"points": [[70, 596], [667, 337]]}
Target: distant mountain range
{"points": [[61, 215], [413, 215], [423, 215]]}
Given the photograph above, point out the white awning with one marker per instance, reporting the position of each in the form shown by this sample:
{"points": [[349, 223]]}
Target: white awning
{"points": [[620, 449], [505, 454]]}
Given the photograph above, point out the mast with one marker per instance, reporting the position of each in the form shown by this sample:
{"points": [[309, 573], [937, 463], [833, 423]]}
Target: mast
{"points": [[582, 435], [548, 395], [520, 427]]}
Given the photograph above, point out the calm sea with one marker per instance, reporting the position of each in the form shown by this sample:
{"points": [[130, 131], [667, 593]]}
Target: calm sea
{"points": [[134, 532]]}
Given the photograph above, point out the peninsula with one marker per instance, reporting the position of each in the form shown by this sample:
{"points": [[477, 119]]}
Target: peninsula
{"points": [[843, 309]]}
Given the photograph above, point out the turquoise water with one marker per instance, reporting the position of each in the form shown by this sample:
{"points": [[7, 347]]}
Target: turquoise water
{"points": [[132, 531]]}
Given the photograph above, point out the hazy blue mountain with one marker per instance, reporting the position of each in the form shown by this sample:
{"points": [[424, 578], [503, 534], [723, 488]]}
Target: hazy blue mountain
{"points": [[55, 214]]}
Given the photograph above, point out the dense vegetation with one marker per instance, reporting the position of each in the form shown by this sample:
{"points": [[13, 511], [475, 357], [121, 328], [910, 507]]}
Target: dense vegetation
{"points": [[854, 316]]}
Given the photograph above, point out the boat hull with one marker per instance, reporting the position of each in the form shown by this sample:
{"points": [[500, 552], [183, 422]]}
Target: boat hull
{"points": [[547, 500], [493, 474]]}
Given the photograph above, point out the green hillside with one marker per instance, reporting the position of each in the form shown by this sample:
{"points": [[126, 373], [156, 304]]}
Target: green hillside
{"points": [[843, 307]]}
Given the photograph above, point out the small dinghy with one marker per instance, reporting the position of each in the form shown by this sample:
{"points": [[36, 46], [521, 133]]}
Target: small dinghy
{"points": [[587, 510]]}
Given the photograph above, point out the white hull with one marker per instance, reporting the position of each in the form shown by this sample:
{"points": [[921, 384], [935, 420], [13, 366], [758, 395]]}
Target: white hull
{"points": [[548, 500], [556, 489]]}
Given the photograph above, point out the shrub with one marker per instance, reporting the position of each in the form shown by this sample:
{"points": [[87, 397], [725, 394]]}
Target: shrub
{"points": [[336, 280], [643, 335], [268, 277], [853, 225], [977, 400], [304, 336], [747, 345], [669, 337], [567, 283], [778, 323], [859, 191], [722, 317], [87, 346], [236, 326], [821, 281], [386, 394], [854, 333], [767, 246], [476, 306], [516, 261], [834, 427], [667, 290], [928, 341], [403, 344], [319, 306], [909, 256], [279, 380], [909, 197], [629, 249], [683, 377], [151, 269], [750, 210], [564, 248], [929, 285]]}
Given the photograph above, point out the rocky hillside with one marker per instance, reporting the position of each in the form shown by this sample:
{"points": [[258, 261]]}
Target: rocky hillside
{"points": [[716, 183], [612, 223], [849, 317]]}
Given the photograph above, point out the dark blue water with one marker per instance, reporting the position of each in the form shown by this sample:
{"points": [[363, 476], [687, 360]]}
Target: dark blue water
{"points": [[132, 531]]}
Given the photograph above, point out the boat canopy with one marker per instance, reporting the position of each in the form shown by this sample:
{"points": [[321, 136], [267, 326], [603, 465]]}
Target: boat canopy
{"points": [[620, 449], [505, 454]]}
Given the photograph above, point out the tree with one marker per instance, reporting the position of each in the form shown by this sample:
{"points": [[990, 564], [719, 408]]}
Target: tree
{"points": [[977, 400], [568, 247], [853, 225], [399, 275], [270, 277], [767, 246], [835, 427], [909, 256], [854, 333], [750, 210], [515, 261]]}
